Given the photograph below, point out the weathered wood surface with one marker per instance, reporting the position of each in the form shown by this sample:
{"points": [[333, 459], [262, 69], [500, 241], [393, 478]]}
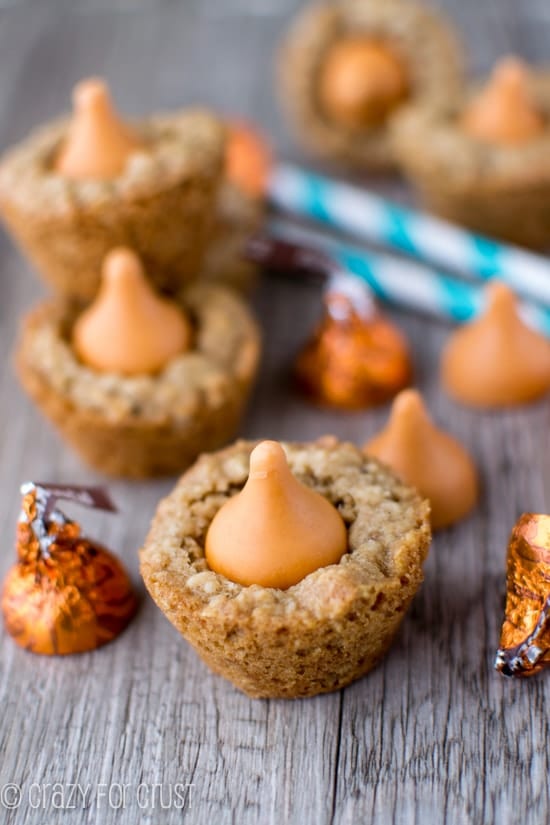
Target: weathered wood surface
{"points": [[434, 735]]}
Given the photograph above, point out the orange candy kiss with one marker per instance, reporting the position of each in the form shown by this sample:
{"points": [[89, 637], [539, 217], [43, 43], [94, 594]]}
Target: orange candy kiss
{"points": [[431, 460], [361, 81], [99, 143], [66, 594], [248, 159], [129, 329], [356, 357], [504, 112], [276, 530], [496, 360]]}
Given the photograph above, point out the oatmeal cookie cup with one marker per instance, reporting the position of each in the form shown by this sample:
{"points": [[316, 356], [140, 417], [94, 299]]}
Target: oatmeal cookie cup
{"points": [[161, 205], [421, 41], [498, 190], [152, 424], [322, 633]]}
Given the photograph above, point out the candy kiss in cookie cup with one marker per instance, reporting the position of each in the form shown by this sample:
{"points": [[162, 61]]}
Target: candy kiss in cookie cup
{"points": [[137, 383], [80, 186], [129, 329], [505, 111], [274, 511], [337, 539], [346, 68], [481, 157]]}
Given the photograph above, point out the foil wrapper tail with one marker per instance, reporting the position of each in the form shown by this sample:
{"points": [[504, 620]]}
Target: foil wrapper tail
{"points": [[525, 637]]}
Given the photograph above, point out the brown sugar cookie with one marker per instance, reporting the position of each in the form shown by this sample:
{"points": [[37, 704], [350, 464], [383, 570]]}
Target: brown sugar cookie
{"points": [[481, 158], [337, 622], [133, 423], [160, 202], [345, 68]]}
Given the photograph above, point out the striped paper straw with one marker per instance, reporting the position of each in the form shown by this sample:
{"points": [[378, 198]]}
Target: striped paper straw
{"points": [[421, 236], [399, 282]]}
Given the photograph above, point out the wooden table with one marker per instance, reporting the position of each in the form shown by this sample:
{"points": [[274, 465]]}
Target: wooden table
{"points": [[433, 735]]}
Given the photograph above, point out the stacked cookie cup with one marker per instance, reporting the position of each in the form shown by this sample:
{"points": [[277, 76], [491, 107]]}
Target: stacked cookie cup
{"points": [[163, 205]]}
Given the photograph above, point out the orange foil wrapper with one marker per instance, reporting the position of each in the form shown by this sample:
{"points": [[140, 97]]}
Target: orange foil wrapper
{"points": [[356, 357], [525, 637], [66, 594]]}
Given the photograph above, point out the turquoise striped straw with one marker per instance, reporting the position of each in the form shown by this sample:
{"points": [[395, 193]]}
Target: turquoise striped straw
{"points": [[403, 283], [421, 236]]}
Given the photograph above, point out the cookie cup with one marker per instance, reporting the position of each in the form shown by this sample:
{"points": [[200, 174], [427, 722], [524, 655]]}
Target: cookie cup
{"points": [[153, 424], [161, 205], [421, 37], [500, 191], [333, 626]]}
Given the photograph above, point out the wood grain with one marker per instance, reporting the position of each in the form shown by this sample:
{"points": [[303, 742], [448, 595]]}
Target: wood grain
{"points": [[434, 735]]}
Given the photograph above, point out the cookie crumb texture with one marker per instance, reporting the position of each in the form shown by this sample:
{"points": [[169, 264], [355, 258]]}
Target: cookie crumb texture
{"points": [[146, 425], [333, 626], [161, 206]]}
